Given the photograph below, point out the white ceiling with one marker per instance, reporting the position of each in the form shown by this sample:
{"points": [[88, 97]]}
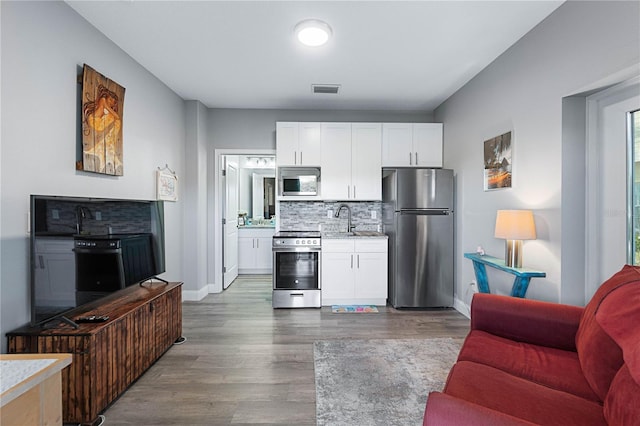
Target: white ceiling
{"points": [[387, 55]]}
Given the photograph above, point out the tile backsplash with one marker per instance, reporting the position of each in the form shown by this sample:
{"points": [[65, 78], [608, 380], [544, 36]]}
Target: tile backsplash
{"points": [[313, 215]]}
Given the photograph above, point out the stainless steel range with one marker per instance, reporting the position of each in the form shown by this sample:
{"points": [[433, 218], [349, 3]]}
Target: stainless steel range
{"points": [[296, 269]]}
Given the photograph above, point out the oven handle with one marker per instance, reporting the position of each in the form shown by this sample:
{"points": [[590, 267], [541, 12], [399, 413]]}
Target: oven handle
{"points": [[97, 251], [296, 250]]}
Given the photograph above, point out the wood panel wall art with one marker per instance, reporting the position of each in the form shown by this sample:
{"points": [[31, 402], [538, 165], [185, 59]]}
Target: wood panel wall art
{"points": [[102, 109]]}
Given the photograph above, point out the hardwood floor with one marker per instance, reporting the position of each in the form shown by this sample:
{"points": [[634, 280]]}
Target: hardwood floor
{"points": [[246, 363]]}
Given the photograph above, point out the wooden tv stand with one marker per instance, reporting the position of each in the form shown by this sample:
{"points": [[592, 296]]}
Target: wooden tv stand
{"points": [[144, 321]]}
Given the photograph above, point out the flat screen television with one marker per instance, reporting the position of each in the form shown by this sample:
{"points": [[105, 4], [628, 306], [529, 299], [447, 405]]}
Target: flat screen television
{"points": [[83, 249]]}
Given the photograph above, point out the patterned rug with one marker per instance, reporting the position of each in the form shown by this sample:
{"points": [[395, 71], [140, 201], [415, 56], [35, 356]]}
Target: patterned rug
{"points": [[379, 382], [354, 309]]}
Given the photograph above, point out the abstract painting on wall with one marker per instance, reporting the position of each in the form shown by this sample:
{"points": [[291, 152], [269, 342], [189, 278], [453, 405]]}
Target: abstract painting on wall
{"points": [[102, 108], [497, 162]]}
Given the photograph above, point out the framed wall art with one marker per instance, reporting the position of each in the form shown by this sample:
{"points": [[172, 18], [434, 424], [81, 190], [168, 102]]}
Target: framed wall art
{"points": [[102, 109], [166, 184], [498, 171]]}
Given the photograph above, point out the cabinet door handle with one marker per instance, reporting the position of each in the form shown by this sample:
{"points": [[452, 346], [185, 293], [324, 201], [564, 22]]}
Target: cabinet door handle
{"points": [[348, 191], [358, 261], [253, 243], [41, 261], [351, 261], [416, 158], [410, 158], [295, 157], [257, 243], [300, 157], [354, 191]]}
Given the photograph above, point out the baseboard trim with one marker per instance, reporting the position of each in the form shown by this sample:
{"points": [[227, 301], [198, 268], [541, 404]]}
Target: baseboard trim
{"points": [[195, 295], [462, 307]]}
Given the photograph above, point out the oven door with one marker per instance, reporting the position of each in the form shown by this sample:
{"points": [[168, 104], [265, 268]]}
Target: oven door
{"points": [[296, 269], [99, 271]]}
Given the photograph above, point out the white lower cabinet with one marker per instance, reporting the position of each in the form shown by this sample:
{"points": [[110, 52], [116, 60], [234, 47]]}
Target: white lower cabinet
{"points": [[254, 250], [354, 271], [55, 272]]}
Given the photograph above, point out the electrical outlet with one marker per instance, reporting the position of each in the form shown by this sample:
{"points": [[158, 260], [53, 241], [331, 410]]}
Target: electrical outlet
{"points": [[55, 214], [374, 214], [98, 215], [329, 214]]}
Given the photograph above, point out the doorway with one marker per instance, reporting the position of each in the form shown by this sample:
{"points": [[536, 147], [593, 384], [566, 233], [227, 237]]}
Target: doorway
{"points": [[607, 181], [225, 215]]}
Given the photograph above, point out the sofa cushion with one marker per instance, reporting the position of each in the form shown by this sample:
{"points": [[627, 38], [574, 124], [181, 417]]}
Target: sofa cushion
{"points": [[622, 405], [501, 391], [551, 367], [619, 317], [600, 356]]}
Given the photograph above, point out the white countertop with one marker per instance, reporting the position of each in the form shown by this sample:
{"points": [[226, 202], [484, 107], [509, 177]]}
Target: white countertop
{"points": [[21, 372]]}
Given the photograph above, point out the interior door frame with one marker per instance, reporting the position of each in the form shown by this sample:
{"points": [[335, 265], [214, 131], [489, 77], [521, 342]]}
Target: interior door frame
{"points": [[218, 193]]}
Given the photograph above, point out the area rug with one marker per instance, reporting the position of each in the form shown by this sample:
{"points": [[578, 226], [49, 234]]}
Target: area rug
{"points": [[379, 382], [354, 309]]}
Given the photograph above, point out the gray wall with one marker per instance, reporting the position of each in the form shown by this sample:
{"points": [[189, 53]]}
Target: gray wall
{"points": [[523, 91], [44, 45], [242, 128]]}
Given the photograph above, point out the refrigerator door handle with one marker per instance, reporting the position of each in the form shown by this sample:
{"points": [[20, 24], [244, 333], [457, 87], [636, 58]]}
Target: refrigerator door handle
{"points": [[426, 212]]}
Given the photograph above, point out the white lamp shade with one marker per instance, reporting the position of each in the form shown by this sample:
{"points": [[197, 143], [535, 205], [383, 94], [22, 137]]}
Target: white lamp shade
{"points": [[515, 225]]}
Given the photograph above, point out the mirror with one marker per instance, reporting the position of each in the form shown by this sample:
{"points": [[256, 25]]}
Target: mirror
{"points": [[257, 186]]}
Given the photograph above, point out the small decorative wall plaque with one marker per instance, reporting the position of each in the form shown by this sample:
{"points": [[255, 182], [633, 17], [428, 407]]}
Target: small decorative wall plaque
{"points": [[102, 108], [166, 184], [497, 162]]}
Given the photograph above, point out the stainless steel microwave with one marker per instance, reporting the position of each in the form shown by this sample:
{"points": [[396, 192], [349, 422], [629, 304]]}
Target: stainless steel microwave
{"points": [[296, 181]]}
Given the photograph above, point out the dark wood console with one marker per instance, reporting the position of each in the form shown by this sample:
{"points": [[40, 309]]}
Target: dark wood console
{"points": [[144, 321]]}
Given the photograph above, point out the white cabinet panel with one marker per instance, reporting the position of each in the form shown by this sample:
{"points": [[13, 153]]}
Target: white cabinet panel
{"points": [[55, 272], [297, 144], [336, 161], [354, 271], [412, 145], [254, 250], [427, 143], [351, 161]]}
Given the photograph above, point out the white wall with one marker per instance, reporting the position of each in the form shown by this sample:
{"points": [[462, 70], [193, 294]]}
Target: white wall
{"points": [[522, 91], [44, 45], [195, 203]]}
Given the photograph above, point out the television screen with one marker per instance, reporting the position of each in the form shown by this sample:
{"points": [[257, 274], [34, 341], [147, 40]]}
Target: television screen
{"points": [[85, 248]]}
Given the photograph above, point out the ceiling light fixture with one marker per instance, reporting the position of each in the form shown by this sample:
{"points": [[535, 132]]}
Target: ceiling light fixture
{"points": [[313, 32]]}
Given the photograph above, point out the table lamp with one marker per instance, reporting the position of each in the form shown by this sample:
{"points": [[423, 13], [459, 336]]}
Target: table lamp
{"points": [[514, 226]]}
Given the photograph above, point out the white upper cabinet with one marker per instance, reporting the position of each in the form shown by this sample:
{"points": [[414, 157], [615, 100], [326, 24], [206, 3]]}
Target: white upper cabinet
{"points": [[297, 144], [412, 145], [351, 161], [366, 161]]}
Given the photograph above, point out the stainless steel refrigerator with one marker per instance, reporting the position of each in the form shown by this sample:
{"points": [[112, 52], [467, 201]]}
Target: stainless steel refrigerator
{"points": [[417, 215]]}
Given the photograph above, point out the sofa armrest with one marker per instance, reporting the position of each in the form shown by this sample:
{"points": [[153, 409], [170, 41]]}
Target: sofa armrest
{"points": [[445, 410], [525, 320]]}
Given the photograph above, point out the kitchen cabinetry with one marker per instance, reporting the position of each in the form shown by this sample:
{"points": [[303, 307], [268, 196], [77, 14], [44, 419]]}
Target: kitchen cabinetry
{"points": [[354, 271], [55, 266], [297, 144], [254, 250], [144, 322], [412, 145], [351, 161]]}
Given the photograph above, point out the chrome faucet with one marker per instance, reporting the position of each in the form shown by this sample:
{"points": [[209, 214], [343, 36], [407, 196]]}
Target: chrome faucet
{"points": [[350, 227], [81, 213]]}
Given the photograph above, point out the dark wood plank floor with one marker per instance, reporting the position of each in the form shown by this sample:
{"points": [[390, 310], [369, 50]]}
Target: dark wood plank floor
{"points": [[246, 363]]}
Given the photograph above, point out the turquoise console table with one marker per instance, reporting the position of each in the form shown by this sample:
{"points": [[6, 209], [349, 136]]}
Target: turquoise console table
{"points": [[521, 282]]}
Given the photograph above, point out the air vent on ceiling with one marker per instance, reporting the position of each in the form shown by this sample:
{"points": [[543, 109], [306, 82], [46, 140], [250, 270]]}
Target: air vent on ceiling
{"points": [[330, 89]]}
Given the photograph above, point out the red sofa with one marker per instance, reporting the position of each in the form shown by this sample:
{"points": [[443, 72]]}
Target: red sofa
{"points": [[529, 362]]}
